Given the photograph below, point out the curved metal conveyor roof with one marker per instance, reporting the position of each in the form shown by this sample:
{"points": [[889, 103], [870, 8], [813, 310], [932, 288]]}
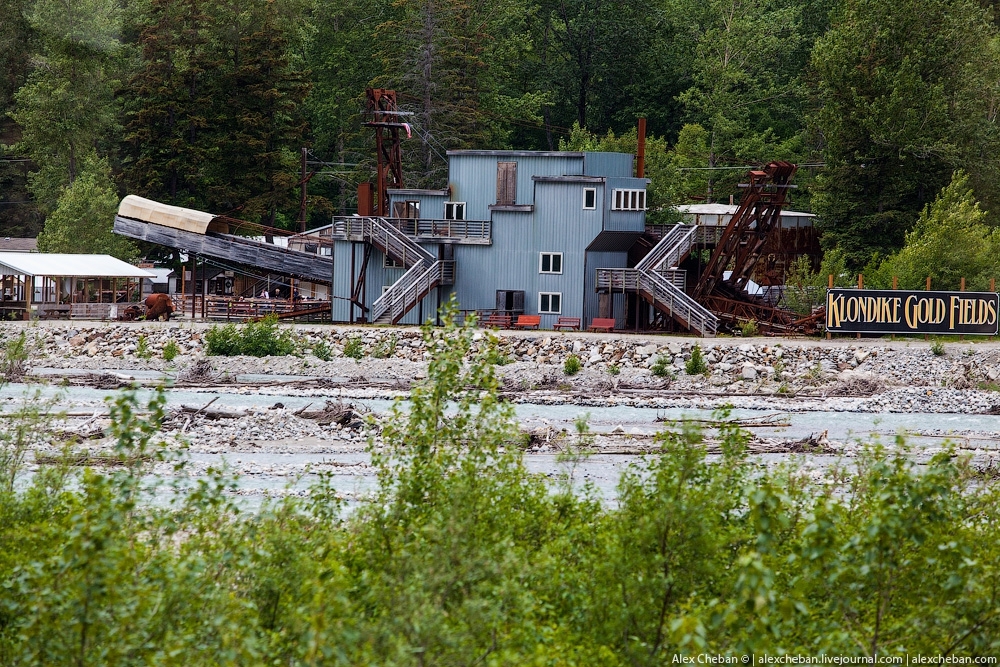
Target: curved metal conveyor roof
{"points": [[147, 210]]}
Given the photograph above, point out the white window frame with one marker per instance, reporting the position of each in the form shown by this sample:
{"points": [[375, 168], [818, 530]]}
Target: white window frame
{"points": [[550, 311], [454, 206], [587, 191], [386, 288], [541, 263], [629, 200]]}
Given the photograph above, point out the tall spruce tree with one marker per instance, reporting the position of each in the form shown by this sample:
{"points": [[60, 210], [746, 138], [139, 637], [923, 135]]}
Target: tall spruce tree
{"points": [[170, 101], [905, 93], [260, 124], [215, 117]]}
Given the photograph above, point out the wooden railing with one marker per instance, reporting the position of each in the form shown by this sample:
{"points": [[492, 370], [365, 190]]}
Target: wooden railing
{"points": [[234, 309]]}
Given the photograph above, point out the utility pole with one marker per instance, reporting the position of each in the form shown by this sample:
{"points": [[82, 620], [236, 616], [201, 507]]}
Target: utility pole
{"points": [[302, 202]]}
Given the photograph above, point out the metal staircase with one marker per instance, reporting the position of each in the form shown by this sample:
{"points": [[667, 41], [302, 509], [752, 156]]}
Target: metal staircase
{"points": [[664, 295], [424, 271], [658, 280], [407, 292], [671, 250]]}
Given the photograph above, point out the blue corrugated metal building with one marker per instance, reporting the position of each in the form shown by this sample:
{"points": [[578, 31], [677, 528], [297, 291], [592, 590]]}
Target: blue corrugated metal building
{"points": [[521, 231]]}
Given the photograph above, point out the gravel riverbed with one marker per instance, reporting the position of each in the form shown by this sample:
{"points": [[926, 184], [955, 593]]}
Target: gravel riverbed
{"points": [[618, 372]]}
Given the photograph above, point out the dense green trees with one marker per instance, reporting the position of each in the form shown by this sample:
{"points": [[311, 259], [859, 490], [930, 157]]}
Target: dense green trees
{"points": [[906, 93], [208, 103]]}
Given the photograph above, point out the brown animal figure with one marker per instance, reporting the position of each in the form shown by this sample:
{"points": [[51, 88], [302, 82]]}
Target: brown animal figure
{"points": [[130, 314], [159, 305]]}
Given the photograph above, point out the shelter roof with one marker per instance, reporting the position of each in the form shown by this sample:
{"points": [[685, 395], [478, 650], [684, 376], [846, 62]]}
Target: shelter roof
{"points": [[18, 244], [68, 265]]}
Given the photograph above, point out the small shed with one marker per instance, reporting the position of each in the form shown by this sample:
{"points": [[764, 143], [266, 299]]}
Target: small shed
{"points": [[62, 284]]}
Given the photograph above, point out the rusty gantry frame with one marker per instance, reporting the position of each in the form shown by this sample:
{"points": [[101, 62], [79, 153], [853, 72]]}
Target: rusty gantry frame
{"points": [[739, 249], [383, 115]]}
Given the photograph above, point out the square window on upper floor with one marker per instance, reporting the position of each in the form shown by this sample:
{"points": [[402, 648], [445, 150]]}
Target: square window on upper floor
{"points": [[590, 198], [454, 210], [550, 262]]}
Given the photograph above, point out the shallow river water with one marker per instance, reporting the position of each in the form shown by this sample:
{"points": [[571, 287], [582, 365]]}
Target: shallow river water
{"points": [[269, 471]]}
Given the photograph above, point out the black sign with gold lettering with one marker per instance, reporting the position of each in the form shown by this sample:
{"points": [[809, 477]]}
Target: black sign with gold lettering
{"points": [[897, 311]]}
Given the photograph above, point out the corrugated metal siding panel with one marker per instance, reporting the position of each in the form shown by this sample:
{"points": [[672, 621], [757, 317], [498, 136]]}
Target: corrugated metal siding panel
{"points": [[481, 270], [608, 164], [559, 224], [431, 206], [623, 221], [602, 260], [342, 281], [562, 225], [473, 179]]}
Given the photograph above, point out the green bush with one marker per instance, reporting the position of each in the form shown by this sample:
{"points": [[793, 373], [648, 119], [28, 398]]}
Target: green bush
{"points": [[614, 369], [354, 348], [322, 351], [170, 351], [572, 365], [661, 367], [749, 328], [14, 362], [696, 365], [937, 348], [385, 348], [142, 348], [497, 358], [255, 339]]}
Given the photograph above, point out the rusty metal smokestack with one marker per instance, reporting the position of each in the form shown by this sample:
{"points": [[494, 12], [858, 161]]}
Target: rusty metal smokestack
{"points": [[640, 153]]}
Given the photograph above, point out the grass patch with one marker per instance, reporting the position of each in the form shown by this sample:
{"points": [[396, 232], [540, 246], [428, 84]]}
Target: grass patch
{"points": [[354, 348]]}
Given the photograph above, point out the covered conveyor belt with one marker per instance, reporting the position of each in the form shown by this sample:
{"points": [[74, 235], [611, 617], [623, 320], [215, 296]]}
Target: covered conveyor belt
{"points": [[238, 249]]}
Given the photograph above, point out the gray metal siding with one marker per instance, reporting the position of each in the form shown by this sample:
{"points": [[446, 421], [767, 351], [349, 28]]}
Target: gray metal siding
{"points": [[473, 178], [342, 281], [431, 206], [623, 221], [608, 164], [602, 260], [559, 223]]}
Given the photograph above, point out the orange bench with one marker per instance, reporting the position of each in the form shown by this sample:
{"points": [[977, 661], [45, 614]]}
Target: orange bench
{"points": [[497, 321], [528, 321], [605, 324], [567, 323]]}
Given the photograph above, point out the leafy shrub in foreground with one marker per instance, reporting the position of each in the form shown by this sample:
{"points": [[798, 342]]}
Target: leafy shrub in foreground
{"points": [[460, 553], [256, 339]]}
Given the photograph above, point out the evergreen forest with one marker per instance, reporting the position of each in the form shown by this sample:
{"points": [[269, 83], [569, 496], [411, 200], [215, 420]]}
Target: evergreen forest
{"points": [[210, 103]]}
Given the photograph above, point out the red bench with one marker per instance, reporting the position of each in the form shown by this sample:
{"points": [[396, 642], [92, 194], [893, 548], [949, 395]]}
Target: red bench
{"points": [[497, 321], [605, 324], [567, 323], [528, 321]]}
